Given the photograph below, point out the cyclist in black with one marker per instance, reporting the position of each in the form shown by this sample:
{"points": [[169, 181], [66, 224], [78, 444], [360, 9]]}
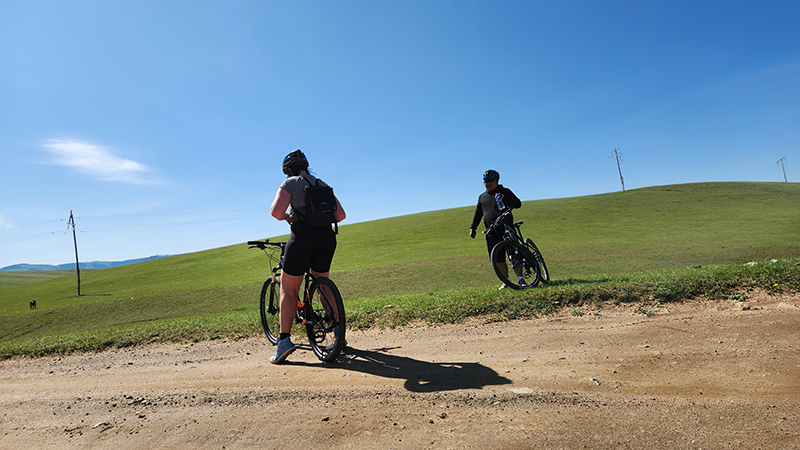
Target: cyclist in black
{"points": [[308, 248], [488, 209]]}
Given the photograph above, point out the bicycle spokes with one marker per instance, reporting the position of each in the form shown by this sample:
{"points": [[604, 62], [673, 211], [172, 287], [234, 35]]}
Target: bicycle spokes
{"points": [[328, 302], [523, 271], [325, 322], [517, 262], [271, 308]]}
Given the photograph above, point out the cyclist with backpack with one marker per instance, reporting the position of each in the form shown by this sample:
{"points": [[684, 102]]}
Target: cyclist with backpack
{"points": [[491, 203], [312, 242]]}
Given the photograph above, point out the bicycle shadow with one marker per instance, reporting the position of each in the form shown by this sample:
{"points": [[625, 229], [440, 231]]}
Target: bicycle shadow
{"points": [[420, 376]]}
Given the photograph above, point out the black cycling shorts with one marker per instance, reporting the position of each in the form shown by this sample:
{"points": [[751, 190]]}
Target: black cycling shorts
{"points": [[309, 248]]}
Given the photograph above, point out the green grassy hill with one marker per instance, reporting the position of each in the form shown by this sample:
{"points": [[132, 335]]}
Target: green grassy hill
{"points": [[9, 279], [582, 238]]}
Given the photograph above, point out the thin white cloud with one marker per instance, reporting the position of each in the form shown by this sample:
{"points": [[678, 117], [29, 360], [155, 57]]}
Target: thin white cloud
{"points": [[98, 162], [766, 74]]}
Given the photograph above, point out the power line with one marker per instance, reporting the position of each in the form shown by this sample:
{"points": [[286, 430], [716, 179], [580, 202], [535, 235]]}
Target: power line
{"points": [[118, 216], [34, 236], [129, 226], [122, 216], [13, 227]]}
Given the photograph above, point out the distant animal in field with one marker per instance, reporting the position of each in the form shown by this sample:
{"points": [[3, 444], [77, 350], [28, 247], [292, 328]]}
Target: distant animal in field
{"points": [[33, 304]]}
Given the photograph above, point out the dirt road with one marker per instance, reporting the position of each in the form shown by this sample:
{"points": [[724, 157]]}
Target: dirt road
{"points": [[693, 375]]}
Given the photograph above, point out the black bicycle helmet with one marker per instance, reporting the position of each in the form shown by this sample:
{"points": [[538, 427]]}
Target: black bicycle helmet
{"points": [[294, 161], [491, 175]]}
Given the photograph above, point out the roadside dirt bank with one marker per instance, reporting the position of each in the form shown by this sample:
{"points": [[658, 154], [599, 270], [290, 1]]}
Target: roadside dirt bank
{"points": [[699, 374]]}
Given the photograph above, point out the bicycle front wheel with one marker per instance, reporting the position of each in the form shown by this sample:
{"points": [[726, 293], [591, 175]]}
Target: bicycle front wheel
{"points": [[521, 267], [544, 274], [270, 309], [325, 319]]}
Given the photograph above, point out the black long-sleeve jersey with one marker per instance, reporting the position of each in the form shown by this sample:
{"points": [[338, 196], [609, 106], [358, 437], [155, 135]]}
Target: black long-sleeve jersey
{"points": [[487, 208]]}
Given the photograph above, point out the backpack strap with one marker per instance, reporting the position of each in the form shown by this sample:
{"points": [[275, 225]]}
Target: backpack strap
{"points": [[297, 210], [308, 182]]}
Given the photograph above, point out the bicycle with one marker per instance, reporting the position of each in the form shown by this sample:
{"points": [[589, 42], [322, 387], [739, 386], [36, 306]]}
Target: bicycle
{"points": [[526, 259], [320, 308]]}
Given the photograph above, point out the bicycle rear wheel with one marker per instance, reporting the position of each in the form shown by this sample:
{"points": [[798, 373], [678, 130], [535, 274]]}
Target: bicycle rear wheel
{"points": [[325, 319], [543, 272], [522, 265], [270, 309]]}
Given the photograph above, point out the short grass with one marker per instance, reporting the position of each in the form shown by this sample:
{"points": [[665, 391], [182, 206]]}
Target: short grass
{"points": [[614, 245], [654, 288], [9, 279]]}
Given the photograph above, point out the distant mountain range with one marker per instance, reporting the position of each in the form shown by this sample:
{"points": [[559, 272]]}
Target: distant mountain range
{"points": [[84, 265]]}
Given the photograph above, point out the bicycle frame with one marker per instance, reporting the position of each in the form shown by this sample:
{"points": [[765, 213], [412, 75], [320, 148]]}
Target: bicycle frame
{"points": [[307, 280], [513, 231]]}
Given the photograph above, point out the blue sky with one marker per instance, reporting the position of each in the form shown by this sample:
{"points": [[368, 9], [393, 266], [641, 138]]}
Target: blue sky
{"points": [[162, 124]]}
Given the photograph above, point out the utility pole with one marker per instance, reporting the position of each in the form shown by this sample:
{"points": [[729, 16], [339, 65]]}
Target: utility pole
{"points": [[780, 161], [616, 154], [75, 239]]}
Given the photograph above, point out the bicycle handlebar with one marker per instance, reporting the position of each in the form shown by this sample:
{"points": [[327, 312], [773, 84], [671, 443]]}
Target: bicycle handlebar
{"points": [[263, 244], [501, 217]]}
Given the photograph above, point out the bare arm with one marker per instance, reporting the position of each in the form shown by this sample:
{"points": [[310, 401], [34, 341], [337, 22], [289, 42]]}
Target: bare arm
{"points": [[339, 215], [280, 205]]}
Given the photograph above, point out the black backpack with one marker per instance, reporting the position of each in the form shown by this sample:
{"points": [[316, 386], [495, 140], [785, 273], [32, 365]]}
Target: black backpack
{"points": [[320, 205]]}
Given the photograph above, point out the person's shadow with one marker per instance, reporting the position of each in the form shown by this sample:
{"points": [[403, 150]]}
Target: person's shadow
{"points": [[420, 376]]}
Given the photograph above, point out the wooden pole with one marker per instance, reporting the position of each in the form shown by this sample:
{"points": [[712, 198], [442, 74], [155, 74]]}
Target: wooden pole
{"points": [[616, 153], [75, 240], [780, 161]]}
